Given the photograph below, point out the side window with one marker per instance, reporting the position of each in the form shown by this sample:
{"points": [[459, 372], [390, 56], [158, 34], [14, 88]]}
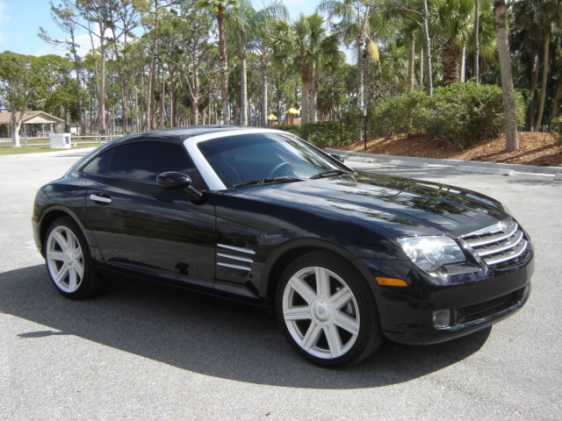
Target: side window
{"points": [[99, 165], [143, 161]]}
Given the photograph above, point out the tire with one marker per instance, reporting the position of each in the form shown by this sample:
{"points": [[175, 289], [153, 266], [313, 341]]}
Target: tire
{"points": [[69, 262], [327, 311]]}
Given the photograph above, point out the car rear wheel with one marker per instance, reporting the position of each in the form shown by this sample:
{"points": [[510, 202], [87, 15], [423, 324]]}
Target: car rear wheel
{"points": [[68, 260], [327, 311]]}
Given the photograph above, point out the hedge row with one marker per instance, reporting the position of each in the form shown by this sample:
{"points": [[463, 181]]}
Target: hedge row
{"points": [[461, 113]]}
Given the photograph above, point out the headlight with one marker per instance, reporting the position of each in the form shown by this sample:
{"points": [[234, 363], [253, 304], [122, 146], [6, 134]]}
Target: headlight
{"points": [[430, 253]]}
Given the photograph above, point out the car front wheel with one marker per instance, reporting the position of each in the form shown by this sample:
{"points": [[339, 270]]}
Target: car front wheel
{"points": [[327, 311], [68, 260]]}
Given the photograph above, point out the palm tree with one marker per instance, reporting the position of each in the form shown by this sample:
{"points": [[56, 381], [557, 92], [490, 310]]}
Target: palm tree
{"points": [[452, 24], [355, 24], [313, 48], [285, 73], [261, 44], [220, 7], [250, 27], [418, 12]]}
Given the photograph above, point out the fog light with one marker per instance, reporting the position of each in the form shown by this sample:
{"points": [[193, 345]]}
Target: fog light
{"points": [[441, 319]]}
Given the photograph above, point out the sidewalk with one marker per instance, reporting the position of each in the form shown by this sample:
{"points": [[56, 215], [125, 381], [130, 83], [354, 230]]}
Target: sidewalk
{"points": [[465, 166]]}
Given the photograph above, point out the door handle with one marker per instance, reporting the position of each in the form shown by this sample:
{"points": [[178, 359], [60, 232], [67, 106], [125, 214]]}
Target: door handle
{"points": [[98, 198]]}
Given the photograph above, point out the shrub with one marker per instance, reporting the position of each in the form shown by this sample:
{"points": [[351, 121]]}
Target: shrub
{"points": [[334, 133], [462, 114], [291, 128], [322, 134], [405, 114], [465, 113]]}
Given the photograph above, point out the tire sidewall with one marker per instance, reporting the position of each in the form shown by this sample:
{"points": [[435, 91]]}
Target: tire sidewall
{"points": [[89, 284], [368, 338]]}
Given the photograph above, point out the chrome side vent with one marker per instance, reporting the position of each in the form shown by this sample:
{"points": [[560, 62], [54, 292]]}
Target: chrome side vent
{"points": [[499, 244], [235, 257]]}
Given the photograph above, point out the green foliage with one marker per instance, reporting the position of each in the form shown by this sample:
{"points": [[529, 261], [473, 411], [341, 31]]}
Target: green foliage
{"points": [[322, 134], [334, 133], [403, 114], [462, 114], [291, 128], [17, 80]]}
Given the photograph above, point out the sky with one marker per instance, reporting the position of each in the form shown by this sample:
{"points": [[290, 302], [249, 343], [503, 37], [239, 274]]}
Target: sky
{"points": [[20, 21]]}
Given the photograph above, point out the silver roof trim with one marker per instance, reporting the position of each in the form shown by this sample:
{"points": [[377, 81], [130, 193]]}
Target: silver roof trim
{"points": [[207, 172]]}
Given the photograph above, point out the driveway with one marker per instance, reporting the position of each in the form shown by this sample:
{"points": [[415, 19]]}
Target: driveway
{"points": [[152, 354]]}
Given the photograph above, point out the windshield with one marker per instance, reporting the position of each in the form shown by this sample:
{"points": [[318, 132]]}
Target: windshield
{"points": [[260, 158]]}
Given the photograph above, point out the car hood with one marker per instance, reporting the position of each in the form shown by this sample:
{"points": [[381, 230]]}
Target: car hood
{"points": [[402, 206]]}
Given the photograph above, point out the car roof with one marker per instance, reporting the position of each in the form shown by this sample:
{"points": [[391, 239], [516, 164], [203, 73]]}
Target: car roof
{"points": [[181, 134], [177, 135]]}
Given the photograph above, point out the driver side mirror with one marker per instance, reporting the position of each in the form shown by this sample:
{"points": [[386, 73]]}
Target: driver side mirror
{"points": [[179, 180]]}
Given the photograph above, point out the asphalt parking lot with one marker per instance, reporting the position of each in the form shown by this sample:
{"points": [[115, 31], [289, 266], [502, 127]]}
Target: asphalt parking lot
{"points": [[141, 353]]}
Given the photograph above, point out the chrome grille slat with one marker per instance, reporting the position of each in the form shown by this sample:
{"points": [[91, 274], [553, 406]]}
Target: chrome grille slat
{"points": [[512, 254], [492, 236], [498, 244], [232, 257], [502, 245]]}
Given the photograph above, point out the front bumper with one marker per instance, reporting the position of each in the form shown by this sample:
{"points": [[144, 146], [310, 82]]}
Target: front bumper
{"points": [[407, 315], [420, 335]]}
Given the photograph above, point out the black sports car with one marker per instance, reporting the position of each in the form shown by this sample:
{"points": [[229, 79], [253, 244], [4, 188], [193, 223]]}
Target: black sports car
{"points": [[344, 258]]}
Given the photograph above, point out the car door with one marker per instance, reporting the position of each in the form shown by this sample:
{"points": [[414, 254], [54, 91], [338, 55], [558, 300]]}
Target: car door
{"points": [[140, 226]]}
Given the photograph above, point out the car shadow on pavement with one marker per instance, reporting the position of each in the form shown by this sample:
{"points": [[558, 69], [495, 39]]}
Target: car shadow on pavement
{"points": [[207, 336]]}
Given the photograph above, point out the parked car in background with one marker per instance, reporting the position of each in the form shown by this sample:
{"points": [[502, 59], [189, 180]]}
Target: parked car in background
{"points": [[344, 258]]}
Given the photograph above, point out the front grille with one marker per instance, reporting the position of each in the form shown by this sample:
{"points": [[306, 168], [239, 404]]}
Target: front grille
{"points": [[488, 308], [499, 245]]}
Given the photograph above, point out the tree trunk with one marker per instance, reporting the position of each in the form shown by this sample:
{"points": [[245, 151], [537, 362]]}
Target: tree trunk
{"points": [[313, 97], [304, 102], [512, 141], [422, 64], [243, 90], [162, 121], [544, 81], [172, 90], [264, 102], [150, 90], [16, 126], [462, 76], [450, 54], [360, 71], [223, 65], [477, 41], [530, 110], [411, 67], [101, 89], [427, 50], [555, 111], [79, 99]]}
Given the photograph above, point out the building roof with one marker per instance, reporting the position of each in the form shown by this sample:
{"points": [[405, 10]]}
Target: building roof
{"points": [[31, 117]]}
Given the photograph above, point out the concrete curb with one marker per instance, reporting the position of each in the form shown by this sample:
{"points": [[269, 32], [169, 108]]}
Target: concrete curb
{"points": [[459, 165]]}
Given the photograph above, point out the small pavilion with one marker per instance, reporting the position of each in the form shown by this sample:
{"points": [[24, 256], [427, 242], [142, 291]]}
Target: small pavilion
{"points": [[34, 124]]}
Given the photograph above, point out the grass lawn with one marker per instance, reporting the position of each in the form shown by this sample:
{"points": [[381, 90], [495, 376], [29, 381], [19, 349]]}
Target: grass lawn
{"points": [[9, 150]]}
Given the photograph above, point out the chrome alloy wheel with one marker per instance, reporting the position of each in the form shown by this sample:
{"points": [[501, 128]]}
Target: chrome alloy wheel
{"points": [[65, 259], [321, 312]]}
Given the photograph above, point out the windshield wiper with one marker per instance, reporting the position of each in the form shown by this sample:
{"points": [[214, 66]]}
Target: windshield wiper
{"points": [[268, 180], [329, 173]]}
